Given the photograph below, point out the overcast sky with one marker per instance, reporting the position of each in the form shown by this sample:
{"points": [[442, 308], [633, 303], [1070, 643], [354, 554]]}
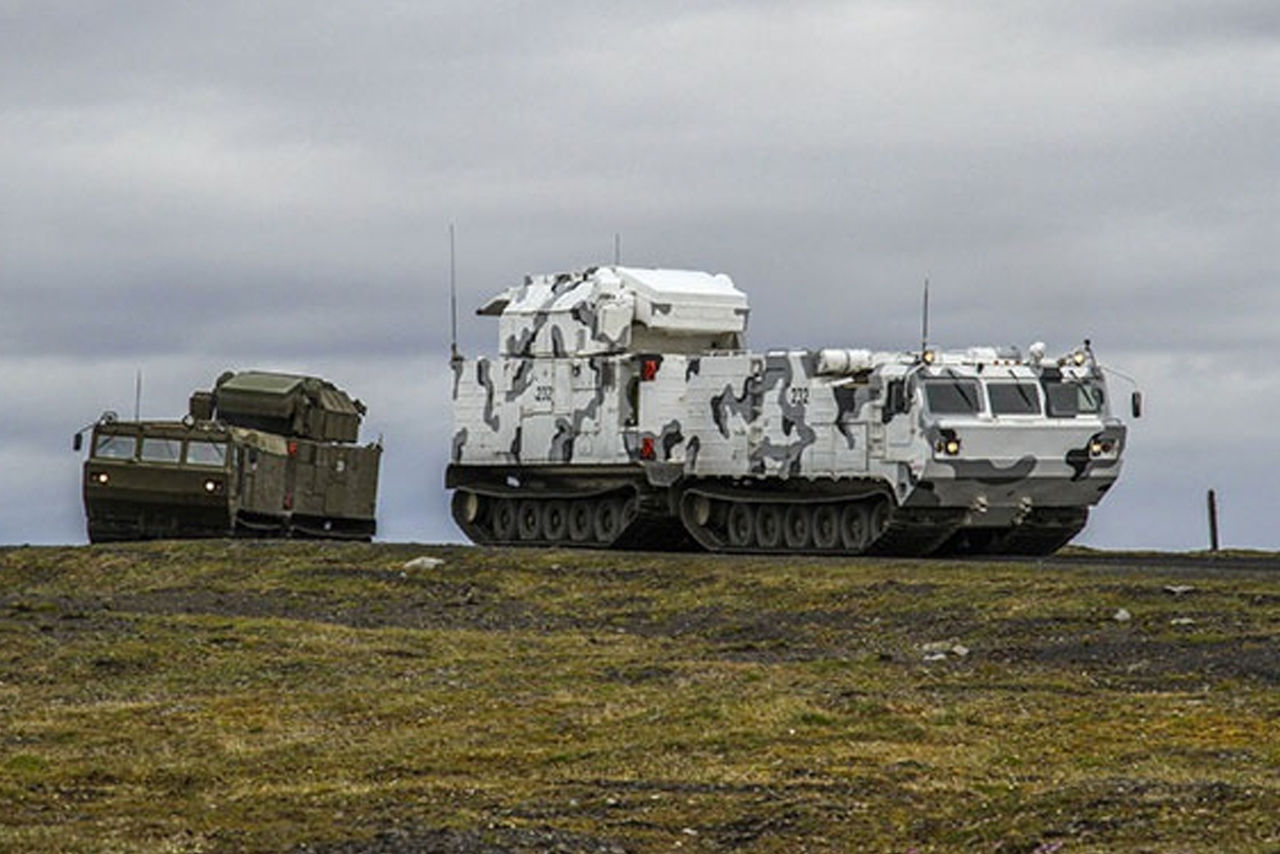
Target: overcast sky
{"points": [[190, 187]]}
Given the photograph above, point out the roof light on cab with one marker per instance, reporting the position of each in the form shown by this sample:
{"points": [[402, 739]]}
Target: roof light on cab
{"points": [[1076, 357]]}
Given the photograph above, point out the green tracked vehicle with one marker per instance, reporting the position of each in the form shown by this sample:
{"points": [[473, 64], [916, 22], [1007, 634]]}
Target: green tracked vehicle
{"points": [[261, 455]]}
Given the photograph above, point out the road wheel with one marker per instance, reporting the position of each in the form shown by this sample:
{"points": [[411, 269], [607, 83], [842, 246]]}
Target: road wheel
{"points": [[608, 519], [798, 526], [530, 519], [826, 526], [769, 525], [555, 521], [853, 526], [877, 519], [504, 519], [581, 521], [741, 525], [467, 506], [701, 509]]}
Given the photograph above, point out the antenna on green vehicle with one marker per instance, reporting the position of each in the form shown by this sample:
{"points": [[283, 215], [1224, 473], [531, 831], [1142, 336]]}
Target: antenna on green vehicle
{"points": [[137, 396]]}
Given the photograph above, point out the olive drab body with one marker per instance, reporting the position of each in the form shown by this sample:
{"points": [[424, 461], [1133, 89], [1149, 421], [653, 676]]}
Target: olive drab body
{"points": [[261, 455], [623, 409]]}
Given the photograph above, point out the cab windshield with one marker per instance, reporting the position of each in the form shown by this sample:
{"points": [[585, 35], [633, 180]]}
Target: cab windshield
{"points": [[1067, 399], [159, 450], [206, 453], [1014, 398], [115, 447], [953, 396]]}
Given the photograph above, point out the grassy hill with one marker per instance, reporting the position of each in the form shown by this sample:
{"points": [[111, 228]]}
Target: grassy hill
{"points": [[326, 698]]}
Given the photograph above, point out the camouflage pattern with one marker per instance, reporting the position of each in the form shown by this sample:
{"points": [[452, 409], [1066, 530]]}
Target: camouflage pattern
{"points": [[262, 454], [632, 386]]}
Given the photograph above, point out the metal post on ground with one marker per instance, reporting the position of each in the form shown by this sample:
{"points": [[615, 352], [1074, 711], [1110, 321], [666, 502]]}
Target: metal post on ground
{"points": [[1213, 521]]}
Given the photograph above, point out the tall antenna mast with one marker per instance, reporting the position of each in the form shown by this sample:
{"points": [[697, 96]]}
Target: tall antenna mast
{"points": [[924, 327], [137, 396], [617, 249], [453, 301]]}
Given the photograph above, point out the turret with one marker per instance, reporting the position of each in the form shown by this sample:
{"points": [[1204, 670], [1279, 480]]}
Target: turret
{"points": [[609, 310], [286, 404]]}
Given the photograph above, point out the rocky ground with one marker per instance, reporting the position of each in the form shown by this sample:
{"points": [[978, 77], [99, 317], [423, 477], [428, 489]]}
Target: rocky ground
{"points": [[317, 697]]}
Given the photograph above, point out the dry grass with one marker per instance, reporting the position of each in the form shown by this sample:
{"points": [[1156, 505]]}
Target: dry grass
{"points": [[248, 696]]}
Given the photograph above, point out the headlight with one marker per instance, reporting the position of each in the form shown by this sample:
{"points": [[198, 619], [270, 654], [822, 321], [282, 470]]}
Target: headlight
{"points": [[211, 486], [1078, 357], [949, 445], [101, 478], [928, 357], [1101, 447]]}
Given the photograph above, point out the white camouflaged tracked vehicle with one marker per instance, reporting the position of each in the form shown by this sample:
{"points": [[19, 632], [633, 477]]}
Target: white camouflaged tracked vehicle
{"points": [[624, 410]]}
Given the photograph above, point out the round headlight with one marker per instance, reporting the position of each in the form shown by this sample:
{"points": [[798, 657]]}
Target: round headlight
{"points": [[953, 446], [928, 357], [102, 477], [210, 486], [1078, 357]]}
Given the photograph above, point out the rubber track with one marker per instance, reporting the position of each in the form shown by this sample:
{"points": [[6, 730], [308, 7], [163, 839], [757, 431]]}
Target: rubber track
{"points": [[915, 536]]}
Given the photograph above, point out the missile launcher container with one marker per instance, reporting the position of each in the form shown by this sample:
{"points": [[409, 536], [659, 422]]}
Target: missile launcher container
{"points": [[623, 409], [261, 455]]}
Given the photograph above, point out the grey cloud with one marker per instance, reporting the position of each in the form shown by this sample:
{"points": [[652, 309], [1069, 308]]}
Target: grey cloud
{"points": [[1186, 23]]}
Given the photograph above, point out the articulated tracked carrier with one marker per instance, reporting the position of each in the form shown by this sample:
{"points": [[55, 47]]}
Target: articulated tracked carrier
{"points": [[624, 410], [261, 455]]}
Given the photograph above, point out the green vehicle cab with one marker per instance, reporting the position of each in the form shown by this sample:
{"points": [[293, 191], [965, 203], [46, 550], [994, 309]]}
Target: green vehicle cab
{"points": [[261, 455]]}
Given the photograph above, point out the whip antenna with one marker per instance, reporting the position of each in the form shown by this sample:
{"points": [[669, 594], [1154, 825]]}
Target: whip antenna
{"points": [[924, 324], [453, 301], [617, 249], [137, 396]]}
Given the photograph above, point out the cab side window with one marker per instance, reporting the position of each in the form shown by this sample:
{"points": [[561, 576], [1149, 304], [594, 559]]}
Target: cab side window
{"points": [[895, 400]]}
